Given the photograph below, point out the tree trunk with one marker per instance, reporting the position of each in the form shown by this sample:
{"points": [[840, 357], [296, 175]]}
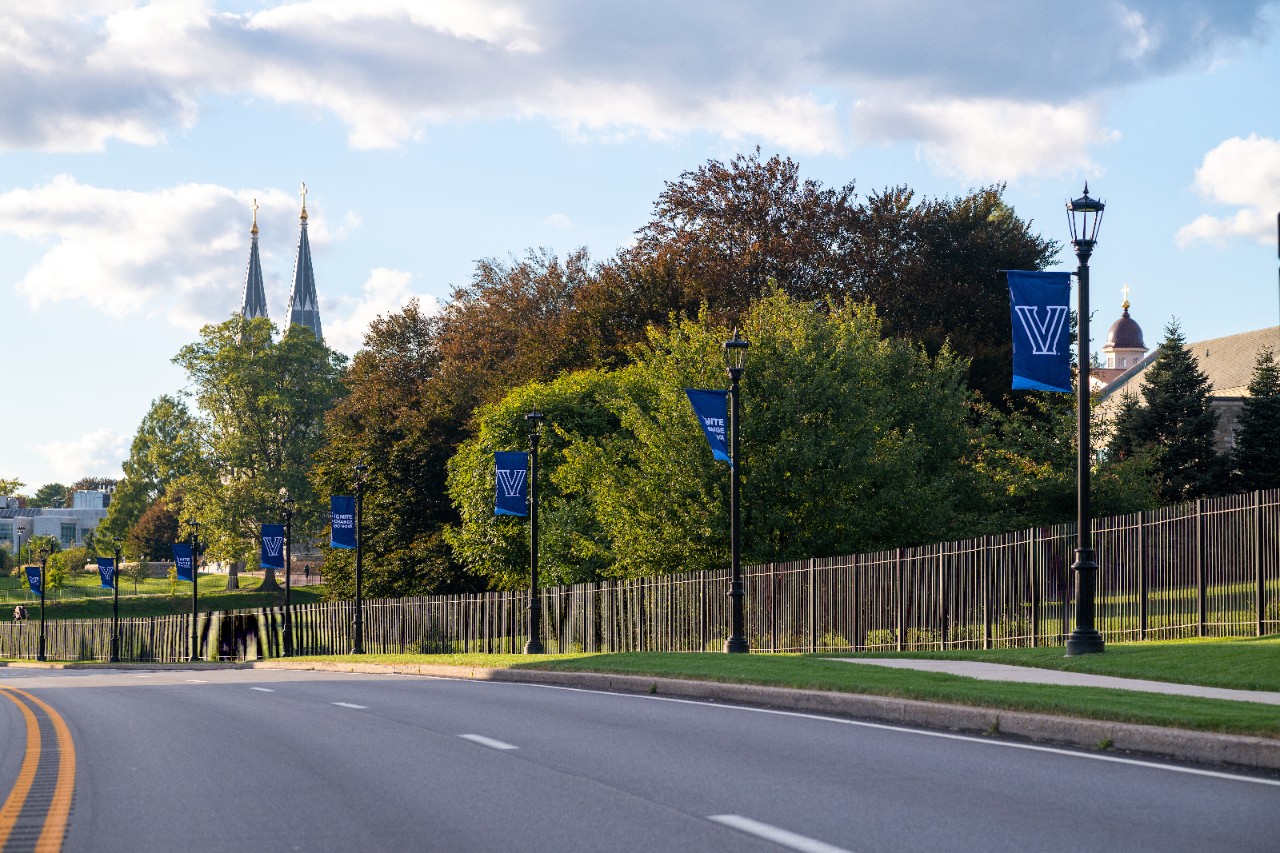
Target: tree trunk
{"points": [[269, 583], [233, 576]]}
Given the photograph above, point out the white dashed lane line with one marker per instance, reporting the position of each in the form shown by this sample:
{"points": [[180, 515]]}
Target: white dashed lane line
{"points": [[781, 837], [262, 689], [349, 705], [488, 741]]}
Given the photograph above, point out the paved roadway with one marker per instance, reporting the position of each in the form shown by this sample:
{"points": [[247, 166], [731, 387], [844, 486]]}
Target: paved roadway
{"points": [[272, 760]]}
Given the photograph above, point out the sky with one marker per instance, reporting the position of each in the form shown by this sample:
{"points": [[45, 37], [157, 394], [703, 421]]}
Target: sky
{"points": [[134, 139]]}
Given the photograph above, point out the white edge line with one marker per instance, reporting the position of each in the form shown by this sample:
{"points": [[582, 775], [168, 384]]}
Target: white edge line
{"points": [[488, 741], [349, 705], [1114, 759], [262, 689], [781, 837]]}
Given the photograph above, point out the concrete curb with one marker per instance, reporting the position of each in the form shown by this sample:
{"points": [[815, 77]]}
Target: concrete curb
{"points": [[1180, 744]]}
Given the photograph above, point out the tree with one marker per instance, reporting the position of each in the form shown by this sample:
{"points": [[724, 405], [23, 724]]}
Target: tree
{"points": [[1257, 451], [932, 267], [152, 537], [261, 406], [850, 442], [1175, 425], [51, 495], [164, 449], [10, 485]]}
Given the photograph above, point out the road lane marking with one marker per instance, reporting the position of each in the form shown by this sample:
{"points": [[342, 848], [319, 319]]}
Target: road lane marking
{"points": [[349, 705], [488, 741], [262, 689], [59, 812], [197, 681], [983, 741], [781, 837], [12, 807]]}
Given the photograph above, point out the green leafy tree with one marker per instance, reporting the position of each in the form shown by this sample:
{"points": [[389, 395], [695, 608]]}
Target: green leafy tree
{"points": [[850, 442], [51, 495], [164, 448], [10, 485], [1257, 450], [1174, 426], [261, 404]]}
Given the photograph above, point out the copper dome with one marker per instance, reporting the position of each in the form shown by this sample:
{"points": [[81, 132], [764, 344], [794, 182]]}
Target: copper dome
{"points": [[1125, 333]]}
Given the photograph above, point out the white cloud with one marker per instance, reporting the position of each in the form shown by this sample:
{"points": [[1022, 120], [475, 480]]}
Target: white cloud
{"points": [[385, 292], [93, 454], [179, 253], [558, 221], [1242, 173], [988, 140], [79, 75]]}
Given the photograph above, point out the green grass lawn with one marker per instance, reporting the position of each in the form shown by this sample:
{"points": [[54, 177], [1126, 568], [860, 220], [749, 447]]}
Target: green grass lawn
{"points": [[83, 597], [1245, 664]]}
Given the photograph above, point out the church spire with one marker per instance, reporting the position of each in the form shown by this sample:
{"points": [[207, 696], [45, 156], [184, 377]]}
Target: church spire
{"points": [[304, 308], [254, 303]]}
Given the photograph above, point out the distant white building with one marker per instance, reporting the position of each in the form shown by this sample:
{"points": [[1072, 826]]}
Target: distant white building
{"points": [[68, 526]]}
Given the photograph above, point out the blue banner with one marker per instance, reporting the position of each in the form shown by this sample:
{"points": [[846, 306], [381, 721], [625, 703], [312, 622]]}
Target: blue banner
{"points": [[342, 521], [33, 578], [107, 571], [182, 559], [512, 472], [1040, 309], [712, 409], [272, 546]]}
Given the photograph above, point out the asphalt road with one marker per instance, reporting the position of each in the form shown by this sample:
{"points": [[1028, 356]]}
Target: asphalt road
{"points": [[271, 760]]}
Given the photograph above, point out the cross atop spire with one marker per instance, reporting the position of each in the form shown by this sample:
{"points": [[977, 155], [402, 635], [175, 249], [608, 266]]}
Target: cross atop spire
{"points": [[1125, 290], [304, 306], [254, 302]]}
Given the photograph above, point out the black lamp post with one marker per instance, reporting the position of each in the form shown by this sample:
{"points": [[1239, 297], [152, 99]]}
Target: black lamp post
{"points": [[287, 504], [114, 657], [1085, 215], [44, 558], [357, 643], [21, 527], [195, 583], [534, 646], [735, 356]]}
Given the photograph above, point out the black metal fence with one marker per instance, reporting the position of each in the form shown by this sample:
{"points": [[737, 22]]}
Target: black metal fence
{"points": [[1207, 568]]}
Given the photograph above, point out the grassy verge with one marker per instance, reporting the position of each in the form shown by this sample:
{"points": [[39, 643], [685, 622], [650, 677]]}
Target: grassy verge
{"points": [[816, 673], [213, 595]]}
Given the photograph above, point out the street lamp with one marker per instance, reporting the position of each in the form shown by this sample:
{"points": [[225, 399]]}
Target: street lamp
{"points": [[735, 357], [114, 657], [44, 558], [195, 583], [21, 526], [357, 644], [1085, 215], [287, 504], [534, 645]]}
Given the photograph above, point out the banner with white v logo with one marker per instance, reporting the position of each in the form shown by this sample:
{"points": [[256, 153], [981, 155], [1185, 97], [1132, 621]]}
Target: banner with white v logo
{"points": [[512, 469], [1041, 331]]}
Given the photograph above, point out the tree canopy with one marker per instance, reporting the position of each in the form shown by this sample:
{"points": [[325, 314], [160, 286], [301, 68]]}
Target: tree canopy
{"points": [[1257, 439]]}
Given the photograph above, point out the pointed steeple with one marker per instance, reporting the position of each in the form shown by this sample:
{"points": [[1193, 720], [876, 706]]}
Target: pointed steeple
{"points": [[254, 303], [304, 307]]}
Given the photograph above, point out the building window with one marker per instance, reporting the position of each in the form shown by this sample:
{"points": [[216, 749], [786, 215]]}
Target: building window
{"points": [[6, 536], [1124, 362], [68, 536]]}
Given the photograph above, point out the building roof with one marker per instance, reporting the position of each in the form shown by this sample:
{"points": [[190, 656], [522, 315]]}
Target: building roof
{"points": [[304, 307], [1228, 362], [254, 303]]}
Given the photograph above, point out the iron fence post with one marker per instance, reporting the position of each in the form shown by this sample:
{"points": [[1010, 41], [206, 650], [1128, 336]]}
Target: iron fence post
{"points": [[1144, 588], [1200, 580], [985, 568], [901, 592], [1259, 585], [813, 605]]}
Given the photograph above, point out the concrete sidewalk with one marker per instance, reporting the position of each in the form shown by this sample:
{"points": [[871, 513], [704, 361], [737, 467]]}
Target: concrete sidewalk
{"points": [[1032, 675]]}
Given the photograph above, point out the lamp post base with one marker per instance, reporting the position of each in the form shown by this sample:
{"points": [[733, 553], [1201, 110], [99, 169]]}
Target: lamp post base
{"points": [[1086, 642], [737, 645], [534, 647]]}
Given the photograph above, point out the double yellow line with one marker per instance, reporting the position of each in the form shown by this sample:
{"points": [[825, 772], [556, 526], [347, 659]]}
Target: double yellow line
{"points": [[55, 820]]}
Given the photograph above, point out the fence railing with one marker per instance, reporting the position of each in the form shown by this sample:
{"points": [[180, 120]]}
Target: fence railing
{"points": [[1206, 568]]}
